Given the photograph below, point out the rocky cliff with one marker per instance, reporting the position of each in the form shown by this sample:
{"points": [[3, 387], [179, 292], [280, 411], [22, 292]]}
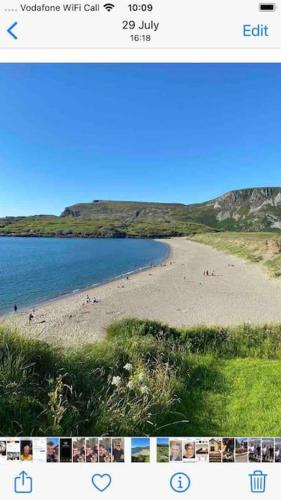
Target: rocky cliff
{"points": [[253, 209]]}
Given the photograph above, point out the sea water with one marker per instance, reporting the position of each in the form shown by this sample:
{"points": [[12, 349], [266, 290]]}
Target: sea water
{"points": [[34, 270]]}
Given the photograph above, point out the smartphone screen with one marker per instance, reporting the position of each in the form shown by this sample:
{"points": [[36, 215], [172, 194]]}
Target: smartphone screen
{"points": [[140, 249]]}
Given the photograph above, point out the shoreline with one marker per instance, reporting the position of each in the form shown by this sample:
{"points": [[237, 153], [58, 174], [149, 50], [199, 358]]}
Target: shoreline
{"points": [[90, 287], [84, 237], [174, 292]]}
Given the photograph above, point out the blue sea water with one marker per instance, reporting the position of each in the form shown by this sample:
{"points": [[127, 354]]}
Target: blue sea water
{"points": [[34, 270]]}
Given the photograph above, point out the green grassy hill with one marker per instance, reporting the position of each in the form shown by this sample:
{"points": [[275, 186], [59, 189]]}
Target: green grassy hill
{"points": [[144, 379], [102, 228], [108, 219], [260, 247], [254, 209], [124, 211]]}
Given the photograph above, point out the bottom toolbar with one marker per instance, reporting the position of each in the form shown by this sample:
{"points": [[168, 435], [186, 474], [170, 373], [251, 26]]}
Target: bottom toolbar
{"points": [[146, 481]]}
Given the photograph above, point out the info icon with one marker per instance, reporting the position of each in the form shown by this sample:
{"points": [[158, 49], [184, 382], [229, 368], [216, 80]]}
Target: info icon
{"points": [[180, 482]]}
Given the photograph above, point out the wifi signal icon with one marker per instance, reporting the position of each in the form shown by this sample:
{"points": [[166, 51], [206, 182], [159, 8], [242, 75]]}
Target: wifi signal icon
{"points": [[109, 7]]}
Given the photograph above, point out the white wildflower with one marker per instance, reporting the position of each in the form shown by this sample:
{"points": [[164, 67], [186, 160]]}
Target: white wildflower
{"points": [[128, 367], [144, 389], [130, 385], [116, 381]]}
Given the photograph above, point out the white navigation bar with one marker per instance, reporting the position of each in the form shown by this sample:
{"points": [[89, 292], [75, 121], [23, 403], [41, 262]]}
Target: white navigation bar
{"points": [[151, 24]]}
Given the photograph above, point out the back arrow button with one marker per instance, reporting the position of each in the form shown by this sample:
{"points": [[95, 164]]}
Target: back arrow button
{"points": [[10, 31]]}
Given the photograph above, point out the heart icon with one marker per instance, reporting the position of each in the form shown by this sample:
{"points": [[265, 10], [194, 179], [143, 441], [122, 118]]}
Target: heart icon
{"points": [[101, 481]]}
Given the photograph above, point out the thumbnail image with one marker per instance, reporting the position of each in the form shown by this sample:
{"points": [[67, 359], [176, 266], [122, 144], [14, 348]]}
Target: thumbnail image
{"points": [[175, 450], [39, 450], [92, 450], [105, 450], [241, 450], [277, 450], [79, 450], [267, 450], [228, 450], [254, 448], [140, 450], [215, 450], [145, 192], [65, 450], [202, 450], [3, 451], [118, 450], [13, 449], [188, 452], [26, 454], [53, 450], [163, 450]]}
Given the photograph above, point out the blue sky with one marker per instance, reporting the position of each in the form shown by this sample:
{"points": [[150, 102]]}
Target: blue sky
{"points": [[163, 441], [174, 133], [140, 442]]}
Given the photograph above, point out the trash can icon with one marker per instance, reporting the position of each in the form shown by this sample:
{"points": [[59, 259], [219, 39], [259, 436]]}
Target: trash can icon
{"points": [[258, 481]]}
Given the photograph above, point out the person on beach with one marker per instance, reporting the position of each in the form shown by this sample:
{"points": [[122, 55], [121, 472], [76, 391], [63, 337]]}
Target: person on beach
{"points": [[15, 308], [94, 300], [30, 317]]}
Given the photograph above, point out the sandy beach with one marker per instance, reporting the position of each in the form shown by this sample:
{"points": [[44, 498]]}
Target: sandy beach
{"points": [[175, 292]]}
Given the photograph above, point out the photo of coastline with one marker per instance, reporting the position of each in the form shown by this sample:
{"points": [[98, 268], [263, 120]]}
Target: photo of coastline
{"points": [[140, 260], [163, 450], [140, 450]]}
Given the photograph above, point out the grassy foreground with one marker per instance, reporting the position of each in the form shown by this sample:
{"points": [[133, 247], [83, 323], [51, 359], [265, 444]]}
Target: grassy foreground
{"points": [[255, 247], [146, 378]]}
